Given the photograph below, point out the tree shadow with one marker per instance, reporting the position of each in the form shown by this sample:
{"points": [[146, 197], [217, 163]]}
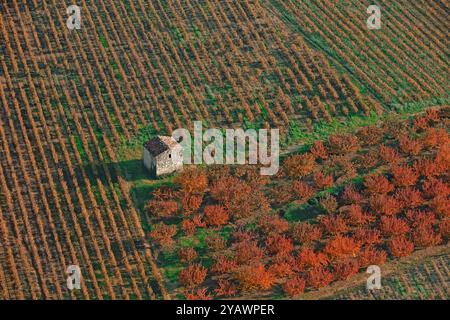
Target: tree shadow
{"points": [[301, 213], [134, 170], [141, 182]]}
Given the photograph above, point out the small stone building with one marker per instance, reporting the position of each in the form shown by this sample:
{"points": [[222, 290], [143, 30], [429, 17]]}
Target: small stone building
{"points": [[163, 155]]}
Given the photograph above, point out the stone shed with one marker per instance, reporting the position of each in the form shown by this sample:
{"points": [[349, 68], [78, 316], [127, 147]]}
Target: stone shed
{"points": [[163, 155]]}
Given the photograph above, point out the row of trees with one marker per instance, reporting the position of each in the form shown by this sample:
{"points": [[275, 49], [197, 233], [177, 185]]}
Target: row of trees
{"points": [[77, 217], [401, 207], [402, 53]]}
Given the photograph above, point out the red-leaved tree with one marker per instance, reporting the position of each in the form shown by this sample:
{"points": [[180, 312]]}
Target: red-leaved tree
{"points": [[333, 224], [272, 224], [371, 256], [294, 287], [426, 236], [368, 236], [322, 180], [302, 191], [306, 233], [199, 294], [319, 277], [392, 226], [187, 254], [307, 258], [163, 234], [401, 247], [377, 184], [389, 155], [278, 244], [192, 181], [355, 215], [344, 269], [351, 195], [409, 197], [300, 165], [319, 151], [223, 265], [343, 143], [255, 277], [341, 247], [216, 215], [161, 208], [191, 203], [248, 251], [384, 204], [404, 176], [226, 288]]}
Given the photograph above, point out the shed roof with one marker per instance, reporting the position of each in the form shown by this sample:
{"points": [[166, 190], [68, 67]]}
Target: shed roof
{"points": [[160, 144]]}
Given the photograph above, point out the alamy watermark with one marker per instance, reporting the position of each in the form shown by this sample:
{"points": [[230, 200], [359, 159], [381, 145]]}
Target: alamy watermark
{"points": [[231, 146], [374, 21], [74, 20]]}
